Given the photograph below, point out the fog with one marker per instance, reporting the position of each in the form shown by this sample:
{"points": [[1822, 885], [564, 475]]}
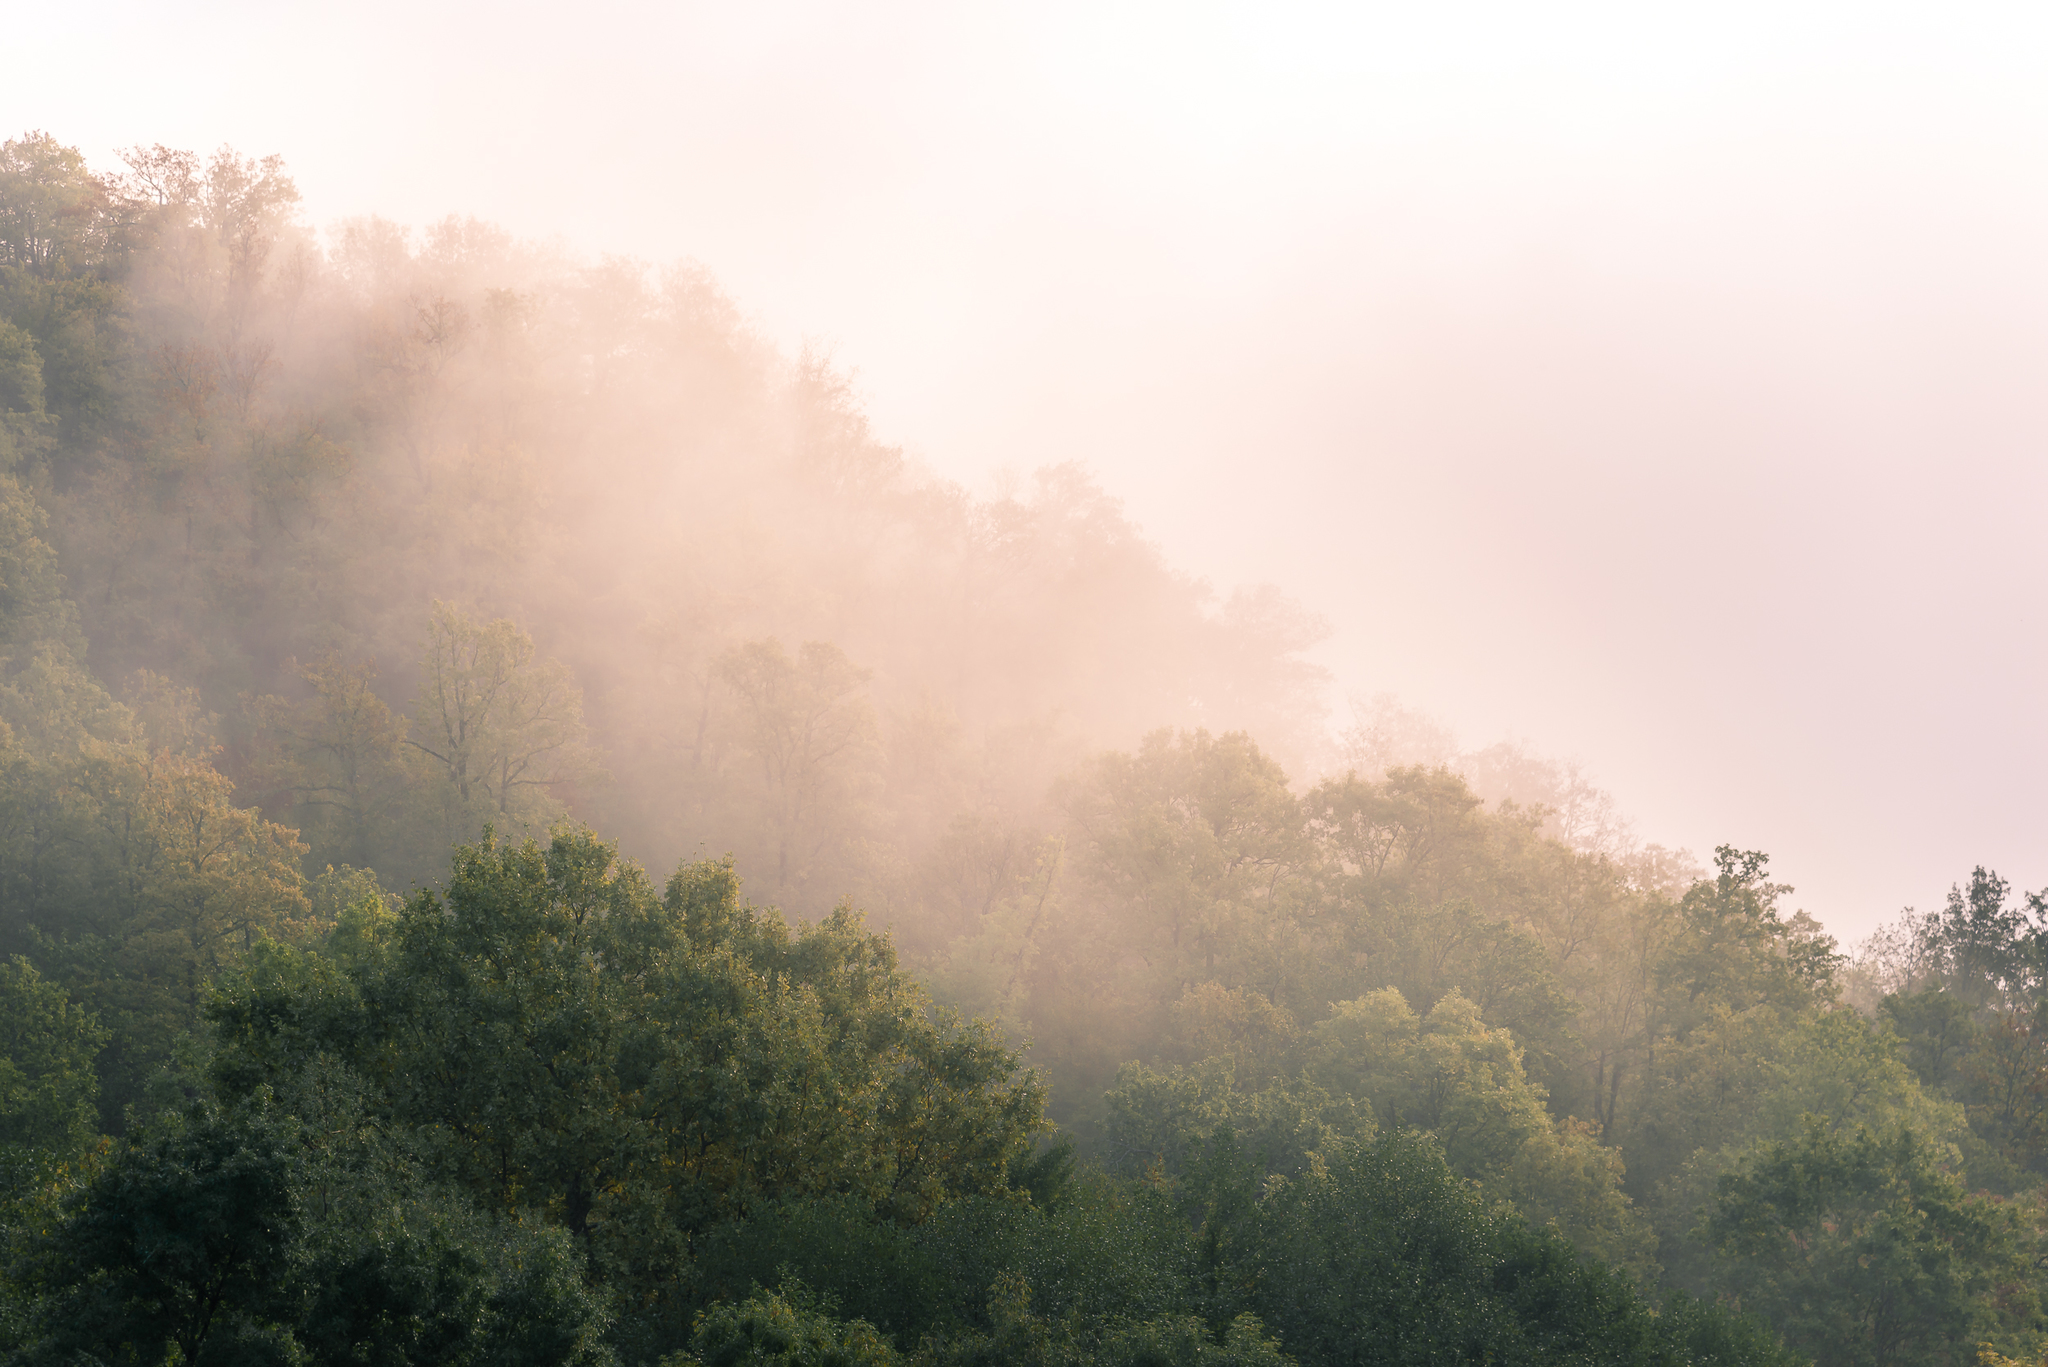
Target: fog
{"points": [[1663, 394], [1099, 684]]}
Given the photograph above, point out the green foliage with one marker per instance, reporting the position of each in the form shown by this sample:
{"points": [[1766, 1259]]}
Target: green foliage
{"points": [[1734, 950], [47, 1050], [1047, 1175], [876, 1270], [178, 1243], [1382, 1255], [1937, 1031], [1170, 1118], [1373, 1062], [1017, 1335], [1110, 1250], [783, 1326], [1982, 946], [1705, 1334], [793, 1325], [237, 1234], [2005, 1080], [1859, 1248], [1744, 1080], [48, 204], [339, 756], [637, 1068], [427, 1279], [25, 423]]}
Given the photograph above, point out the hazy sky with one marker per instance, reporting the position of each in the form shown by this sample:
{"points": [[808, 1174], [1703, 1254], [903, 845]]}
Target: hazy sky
{"points": [[1662, 389]]}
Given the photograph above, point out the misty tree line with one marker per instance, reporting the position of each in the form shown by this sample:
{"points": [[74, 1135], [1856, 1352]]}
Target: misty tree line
{"points": [[321, 558]]}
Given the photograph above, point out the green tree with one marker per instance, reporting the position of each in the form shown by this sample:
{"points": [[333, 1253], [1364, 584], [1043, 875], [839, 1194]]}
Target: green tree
{"points": [[173, 884], [52, 208], [395, 1271], [48, 1046], [25, 422], [339, 755], [1420, 833], [1735, 950], [1451, 1075], [247, 1234], [178, 1245], [783, 1326], [1382, 1255], [2005, 1078], [1983, 945], [1936, 1029], [639, 1068], [1196, 852], [1750, 1079], [1176, 1117], [1016, 1335], [1861, 1249], [1734, 980]]}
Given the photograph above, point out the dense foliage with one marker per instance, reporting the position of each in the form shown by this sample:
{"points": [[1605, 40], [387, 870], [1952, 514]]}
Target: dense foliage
{"points": [[1167, 1032]]}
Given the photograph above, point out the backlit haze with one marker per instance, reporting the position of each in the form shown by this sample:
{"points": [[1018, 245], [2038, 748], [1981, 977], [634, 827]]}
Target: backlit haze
{"points": [[1666, 394]]}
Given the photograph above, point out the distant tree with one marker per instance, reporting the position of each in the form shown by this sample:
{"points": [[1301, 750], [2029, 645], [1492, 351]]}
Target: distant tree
{"points": [[1172, 1119], [393, 1270], [1451, 1076], [809, 728], [1936, 1030], [2005, 1079], [503, 726], [52, 208], [178, 883], [1199, 847], [1735, 949], [1418, 832], [34, 613], [203, 879], [1985, 946], [1971, 1007], [1752, 1078], [27, 429], [339, 755]]}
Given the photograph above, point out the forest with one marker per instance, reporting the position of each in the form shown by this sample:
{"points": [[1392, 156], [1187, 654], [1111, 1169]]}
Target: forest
{"points": [[529, 835]]}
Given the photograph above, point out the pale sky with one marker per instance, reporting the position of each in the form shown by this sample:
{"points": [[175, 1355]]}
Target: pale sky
{"points": [[1662, 388]]}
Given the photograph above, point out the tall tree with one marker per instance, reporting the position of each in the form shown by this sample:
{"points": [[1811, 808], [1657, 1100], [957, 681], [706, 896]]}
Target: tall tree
{"points": [[339, 756], [503, 725], [811, 732]]}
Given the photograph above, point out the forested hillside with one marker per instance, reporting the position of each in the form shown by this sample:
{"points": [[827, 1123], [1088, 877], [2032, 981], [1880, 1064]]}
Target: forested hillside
{"points": [[1038, 980]]}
